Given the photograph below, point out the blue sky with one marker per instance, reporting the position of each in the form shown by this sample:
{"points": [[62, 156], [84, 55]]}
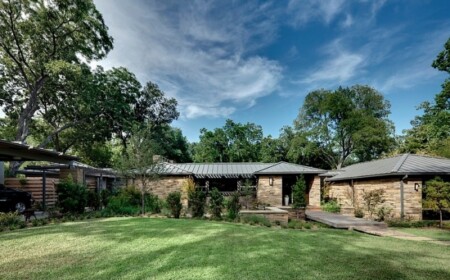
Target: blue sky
{"points": [[255, 61]]}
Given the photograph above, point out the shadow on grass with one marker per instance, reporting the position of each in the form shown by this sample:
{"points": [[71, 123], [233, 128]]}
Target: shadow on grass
{"points": [[136, 248]]}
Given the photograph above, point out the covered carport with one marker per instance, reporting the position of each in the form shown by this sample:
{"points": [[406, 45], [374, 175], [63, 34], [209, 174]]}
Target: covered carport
{"points": [[12, 151]]}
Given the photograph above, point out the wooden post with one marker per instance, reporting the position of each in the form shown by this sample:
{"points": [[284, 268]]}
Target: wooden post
{"points": [[44, 189]]}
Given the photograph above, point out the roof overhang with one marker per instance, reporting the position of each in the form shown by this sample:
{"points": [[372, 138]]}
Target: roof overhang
{"points": [[10, 151], [397, 174]]}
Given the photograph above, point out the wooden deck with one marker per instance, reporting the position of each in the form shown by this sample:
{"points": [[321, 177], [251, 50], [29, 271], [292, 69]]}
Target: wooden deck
{"points": [[340, 221]]}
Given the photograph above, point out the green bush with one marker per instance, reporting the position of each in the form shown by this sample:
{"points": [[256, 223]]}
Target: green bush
{"points": [[411, 224], [383, 213], [128, 202], [216, 203], [94, 200], [331, 206], [256, 220], [72, 197], [105, 195], [197, 202], [233, 206], [299, 193], [122, 204], [174, 204], [9, 219]]}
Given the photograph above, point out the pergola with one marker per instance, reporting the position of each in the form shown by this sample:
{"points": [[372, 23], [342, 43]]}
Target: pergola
{"points": [[12, 151]]}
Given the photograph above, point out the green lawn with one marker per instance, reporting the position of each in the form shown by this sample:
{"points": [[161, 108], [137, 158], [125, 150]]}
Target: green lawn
{"points": [[144, 248], [435, 233]]}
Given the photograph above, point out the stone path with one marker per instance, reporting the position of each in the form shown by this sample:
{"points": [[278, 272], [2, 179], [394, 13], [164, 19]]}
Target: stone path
{"points": [[387, 232], [340, 221]]}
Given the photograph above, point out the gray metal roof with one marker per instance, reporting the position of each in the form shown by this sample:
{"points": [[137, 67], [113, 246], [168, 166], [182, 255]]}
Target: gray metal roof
{"points": [[233, 169], [405, 164], [289, 168]]}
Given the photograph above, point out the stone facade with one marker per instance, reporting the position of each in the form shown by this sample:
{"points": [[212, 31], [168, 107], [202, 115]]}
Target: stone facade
{"points": [[165, 185], [350, 197], [314, 192], [270, 194], [77, 174]]}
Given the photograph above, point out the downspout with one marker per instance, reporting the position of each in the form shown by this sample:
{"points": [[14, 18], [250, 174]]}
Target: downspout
{"points": [[402, 205]]}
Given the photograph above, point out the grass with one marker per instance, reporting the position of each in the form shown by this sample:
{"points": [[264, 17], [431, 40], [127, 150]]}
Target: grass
{"points": [[435, 233], [145, 248]]}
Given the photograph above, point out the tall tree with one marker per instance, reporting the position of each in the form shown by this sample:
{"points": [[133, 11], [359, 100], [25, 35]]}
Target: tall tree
{"points": [[42, 40], [346, 123], [431, 131], [235, 142]]}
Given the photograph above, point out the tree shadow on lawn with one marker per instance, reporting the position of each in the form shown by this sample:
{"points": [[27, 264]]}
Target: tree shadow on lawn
{"points": [[170, 249]]}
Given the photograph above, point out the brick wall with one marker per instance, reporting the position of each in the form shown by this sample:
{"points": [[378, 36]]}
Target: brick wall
{"points": [[270, 194], [412, 198]]}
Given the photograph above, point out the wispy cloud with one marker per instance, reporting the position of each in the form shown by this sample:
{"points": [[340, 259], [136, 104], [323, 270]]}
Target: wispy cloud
{"points": [[339, 66], [199, 52], [304, 11]]}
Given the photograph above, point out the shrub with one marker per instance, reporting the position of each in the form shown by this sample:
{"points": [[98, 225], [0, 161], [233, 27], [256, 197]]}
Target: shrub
{"points": [[233, 206], [93, 200], [174, 204], [105, 195], [128, 202], [248, 193], [298, 193], [9, 219], [216, 203], [383, 213], [153, 203], [372, 199], [72, 197], [359, 213], [197, 202], [331, 206], [411, 224], [256, 220]]}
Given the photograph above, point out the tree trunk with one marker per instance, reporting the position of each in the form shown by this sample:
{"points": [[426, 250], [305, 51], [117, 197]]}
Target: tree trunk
{"points": [[440, 218], [142, 201]]}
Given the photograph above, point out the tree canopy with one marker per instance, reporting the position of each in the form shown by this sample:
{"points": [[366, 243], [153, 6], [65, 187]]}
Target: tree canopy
{"points": [[430, 132], [233, 142], [347, 123]]}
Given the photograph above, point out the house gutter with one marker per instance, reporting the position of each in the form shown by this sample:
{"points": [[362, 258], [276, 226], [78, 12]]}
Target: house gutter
{"points": [[402, 205]]}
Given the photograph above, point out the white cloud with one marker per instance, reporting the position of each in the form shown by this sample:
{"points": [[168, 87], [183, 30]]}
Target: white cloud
{"points": [[348, 21], [340, 66], [304, 11], [199, 53]]}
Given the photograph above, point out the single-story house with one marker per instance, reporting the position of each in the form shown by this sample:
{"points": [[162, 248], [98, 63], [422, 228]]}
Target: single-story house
{"points": [[273, 181], [402, 177]]}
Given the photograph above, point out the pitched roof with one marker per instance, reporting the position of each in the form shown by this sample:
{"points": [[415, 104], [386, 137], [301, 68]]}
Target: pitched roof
{"points": [[289, 168], [233, 169], [405, 164]]}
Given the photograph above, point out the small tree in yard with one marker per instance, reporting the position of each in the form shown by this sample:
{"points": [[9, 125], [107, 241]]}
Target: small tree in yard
{"points": [[233, 206], [437, 196], [197, 202], [137, 161], [174, 203], [372, 199], [247, 192], [298, 194], [216, 203]]}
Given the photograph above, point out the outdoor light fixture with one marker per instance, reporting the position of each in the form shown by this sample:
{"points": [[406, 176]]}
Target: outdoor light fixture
{"points": [[416, 187], [271, 181]]}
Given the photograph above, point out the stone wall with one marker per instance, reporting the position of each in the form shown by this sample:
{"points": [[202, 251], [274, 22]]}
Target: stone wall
{"points": [[349, 197], [273, 214], [314, 192], [164, 185], [270, 194]]}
